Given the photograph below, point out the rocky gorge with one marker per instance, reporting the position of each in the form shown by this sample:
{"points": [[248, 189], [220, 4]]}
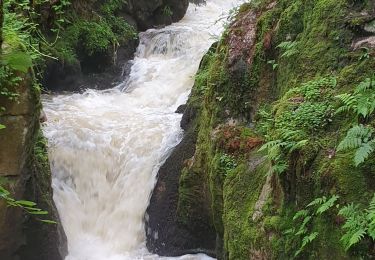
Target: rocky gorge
{"points": [[261, 171]]}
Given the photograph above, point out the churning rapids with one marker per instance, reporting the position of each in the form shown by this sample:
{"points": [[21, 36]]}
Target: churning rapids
{"points": [[107, 146]]}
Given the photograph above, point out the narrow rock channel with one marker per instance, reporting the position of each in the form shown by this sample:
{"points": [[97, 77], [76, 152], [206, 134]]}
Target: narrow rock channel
{"points": [[107, 146]]}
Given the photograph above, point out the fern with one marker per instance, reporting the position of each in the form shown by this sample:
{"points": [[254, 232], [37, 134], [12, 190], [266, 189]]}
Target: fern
{"points": [[305, 217], [361, 102], [326, 205], [361, 139], [289, 48], [305, 241], [371, 218], [359, 223], [363, 152]]}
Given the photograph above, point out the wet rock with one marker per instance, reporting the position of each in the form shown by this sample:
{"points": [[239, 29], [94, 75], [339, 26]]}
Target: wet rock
{"points": [[242, 42], [264, 195], [188, 117], [181, 109], [19, 164], [198, 2], [76, 77], [165, 235], [11, 236], [368, 42], [150, 13]]}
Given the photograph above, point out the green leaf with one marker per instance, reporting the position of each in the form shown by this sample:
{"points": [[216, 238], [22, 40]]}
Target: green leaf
{"points": [[301, 213], [362, 153], [42, 212], [355, 238], [26, 203], [48, 221], [327, 205]]}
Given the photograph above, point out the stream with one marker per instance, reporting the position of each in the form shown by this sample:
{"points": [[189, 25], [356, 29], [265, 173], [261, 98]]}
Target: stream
{"points": [[106, 147]]}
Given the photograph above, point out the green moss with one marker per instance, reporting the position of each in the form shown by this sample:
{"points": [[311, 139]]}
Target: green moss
{"points": [[41, 173], [272, 223], [97, 31], [303, 102], [241, 191]]}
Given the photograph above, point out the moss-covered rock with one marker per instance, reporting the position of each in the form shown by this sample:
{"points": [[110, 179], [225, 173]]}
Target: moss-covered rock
{"points": [[98, 37], [275, 74], [25, 173]]}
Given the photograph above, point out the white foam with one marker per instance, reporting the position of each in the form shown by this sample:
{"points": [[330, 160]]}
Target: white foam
{"points": [[106, 146]]}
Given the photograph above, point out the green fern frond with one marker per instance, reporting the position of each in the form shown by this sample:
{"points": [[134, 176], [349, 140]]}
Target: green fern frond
{"points": [[298, 145], [355, 238], [300, 213], [365, 85], [355, 137], [327, 205], [362, 153], [305, 241], [343, 109], [269, 145], [317, 201], [308, 239], [348, 100]]}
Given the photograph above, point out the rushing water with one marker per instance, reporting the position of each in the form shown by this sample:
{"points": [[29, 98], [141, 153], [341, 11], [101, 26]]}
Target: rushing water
{"points": [[106, 146]]}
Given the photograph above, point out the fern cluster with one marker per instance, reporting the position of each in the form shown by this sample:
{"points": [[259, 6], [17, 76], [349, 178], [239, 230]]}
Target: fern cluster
{"points": [[288, 48], [360, 138], [361, 102], [295, 121], [360, 224], [302, 233]]}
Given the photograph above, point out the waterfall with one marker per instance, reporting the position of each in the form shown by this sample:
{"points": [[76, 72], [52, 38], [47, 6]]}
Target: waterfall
{"points": [[106, 147]]}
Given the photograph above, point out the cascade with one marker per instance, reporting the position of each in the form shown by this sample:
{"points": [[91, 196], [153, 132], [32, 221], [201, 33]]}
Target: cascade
{"points": [[106, 147]]}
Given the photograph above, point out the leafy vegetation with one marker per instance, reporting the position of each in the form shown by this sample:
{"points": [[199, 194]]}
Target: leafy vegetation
{"points": [[303, 218], [360, 106], [359, 225], [28, 206], [359, 138], [227, 163], [288, 48], [361, 103], [300, 62], [296, 120]]}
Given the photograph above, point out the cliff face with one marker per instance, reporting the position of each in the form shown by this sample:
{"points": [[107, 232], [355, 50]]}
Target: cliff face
{"points": [[25, 173], [273, 79]]}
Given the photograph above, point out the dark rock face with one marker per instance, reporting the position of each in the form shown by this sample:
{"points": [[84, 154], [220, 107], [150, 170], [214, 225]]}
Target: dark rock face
{"points": [[165, 235], [77, 77], [150, 13], [42, 241]]}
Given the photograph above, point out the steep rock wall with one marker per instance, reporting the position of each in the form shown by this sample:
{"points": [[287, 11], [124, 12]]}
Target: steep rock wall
{"points": [[250, 72], [25, 173]]}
